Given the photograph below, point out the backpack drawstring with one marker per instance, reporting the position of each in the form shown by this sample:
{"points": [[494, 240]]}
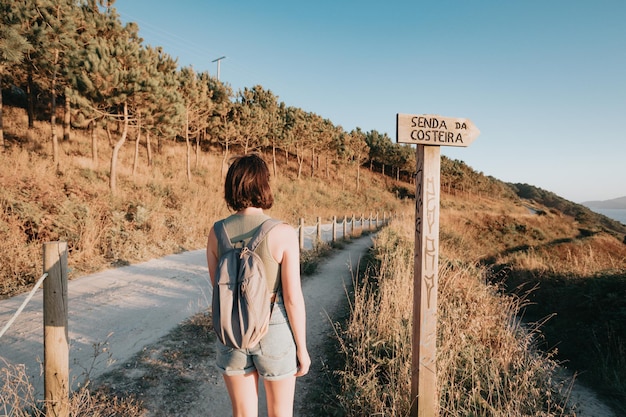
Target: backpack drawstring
{"points": [[244, 283], [244, 250]]}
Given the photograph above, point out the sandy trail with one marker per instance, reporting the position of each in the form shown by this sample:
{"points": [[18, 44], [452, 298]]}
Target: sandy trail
{"points": [[122, 310]]}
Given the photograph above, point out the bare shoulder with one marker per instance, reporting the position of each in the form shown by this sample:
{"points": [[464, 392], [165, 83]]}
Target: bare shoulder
{"points": [[285, 228], [282, 237], [283, 232]]}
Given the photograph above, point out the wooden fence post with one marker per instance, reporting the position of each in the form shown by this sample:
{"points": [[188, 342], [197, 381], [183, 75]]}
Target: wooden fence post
{"points": [[352, 226], [334, 228], [56, 341], [319, 230], [345, 227]]}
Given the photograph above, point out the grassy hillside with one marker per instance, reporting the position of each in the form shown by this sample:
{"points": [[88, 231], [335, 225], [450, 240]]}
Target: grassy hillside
{"points": [[522, 287], [570, 269], [565, 262], [156, 209]]}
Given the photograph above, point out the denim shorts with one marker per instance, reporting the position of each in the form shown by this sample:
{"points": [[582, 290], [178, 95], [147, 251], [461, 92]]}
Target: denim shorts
{"points": [[274, 357]]}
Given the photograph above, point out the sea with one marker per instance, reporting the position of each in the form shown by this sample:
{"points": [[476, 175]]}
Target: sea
{"points": [[615, 214]]}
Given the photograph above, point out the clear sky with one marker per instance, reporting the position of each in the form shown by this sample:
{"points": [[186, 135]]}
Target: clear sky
{"points": [[543, 80]]}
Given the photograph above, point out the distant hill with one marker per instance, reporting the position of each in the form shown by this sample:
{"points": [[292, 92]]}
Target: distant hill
{"points": [[589, 220], [616, 203]]}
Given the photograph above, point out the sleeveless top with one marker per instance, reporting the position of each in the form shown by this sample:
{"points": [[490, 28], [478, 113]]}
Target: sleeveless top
{"points": [[241, 227]]}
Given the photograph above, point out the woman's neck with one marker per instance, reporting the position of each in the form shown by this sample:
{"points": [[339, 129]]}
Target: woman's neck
{"points": [[251, 210]]}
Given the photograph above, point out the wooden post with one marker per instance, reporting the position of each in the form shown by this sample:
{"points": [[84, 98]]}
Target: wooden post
{"points": [[352, 226], [319, 230], [424, 382], [334, 228], [345, 227], [56, 342], [301, 233], [428, 132]]}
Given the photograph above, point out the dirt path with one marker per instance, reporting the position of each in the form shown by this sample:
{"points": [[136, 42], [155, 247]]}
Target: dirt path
{"points": [[117, 312], [121, 323], [176, 375]]}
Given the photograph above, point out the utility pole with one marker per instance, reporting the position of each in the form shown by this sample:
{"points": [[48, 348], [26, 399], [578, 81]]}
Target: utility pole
{"points": [[218, 66]]}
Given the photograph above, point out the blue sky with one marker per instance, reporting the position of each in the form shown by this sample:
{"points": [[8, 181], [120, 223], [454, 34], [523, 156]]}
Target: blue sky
{"points": [[543, 80]]}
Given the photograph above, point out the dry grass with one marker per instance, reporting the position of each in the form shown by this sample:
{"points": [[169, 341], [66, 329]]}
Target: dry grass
{"points": [[18, 398], [576, 257], [155, 212], [488, 364], [376, 341]]}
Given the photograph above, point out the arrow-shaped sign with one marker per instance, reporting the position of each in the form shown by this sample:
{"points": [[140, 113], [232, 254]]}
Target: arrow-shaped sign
{"points": [[429, 129]]}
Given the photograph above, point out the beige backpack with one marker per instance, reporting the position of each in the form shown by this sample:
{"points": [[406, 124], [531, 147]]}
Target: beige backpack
{"points": [[241, 300]]}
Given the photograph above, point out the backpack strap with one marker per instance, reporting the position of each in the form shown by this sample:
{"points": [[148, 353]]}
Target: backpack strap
{"points": [[223, 240], [261, 232]]}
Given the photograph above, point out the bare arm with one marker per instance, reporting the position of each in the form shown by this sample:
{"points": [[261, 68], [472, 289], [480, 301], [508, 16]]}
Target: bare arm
{"points": [[211, 255], [286, 251]]}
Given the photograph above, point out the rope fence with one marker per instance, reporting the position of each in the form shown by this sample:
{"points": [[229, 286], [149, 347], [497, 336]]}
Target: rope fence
{"points": [[26, 301], [310, 236], [56, 341]]}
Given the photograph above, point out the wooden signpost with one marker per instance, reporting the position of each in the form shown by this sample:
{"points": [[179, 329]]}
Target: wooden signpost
{"points": [[428, 132]]}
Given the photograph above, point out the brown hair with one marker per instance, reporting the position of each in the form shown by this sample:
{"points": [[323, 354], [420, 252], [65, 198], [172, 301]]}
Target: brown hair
{"points": [[248, 183]]}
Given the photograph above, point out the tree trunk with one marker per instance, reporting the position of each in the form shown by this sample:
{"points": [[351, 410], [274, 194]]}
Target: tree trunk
{"points": [[188, 146], [109, 136], [197, 151], [116, 151], [30, 101], [358, 177], [300, 159], [136, 156], [149, 148], [67, 116], [273, 158], [224, 159], [53, 116], [94, 144]]}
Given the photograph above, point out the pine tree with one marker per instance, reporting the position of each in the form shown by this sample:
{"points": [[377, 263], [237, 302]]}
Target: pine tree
{"points": [[196, 94], [162, 112], [358, 149], [53, 34], [13, 46], [109, 77]]}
